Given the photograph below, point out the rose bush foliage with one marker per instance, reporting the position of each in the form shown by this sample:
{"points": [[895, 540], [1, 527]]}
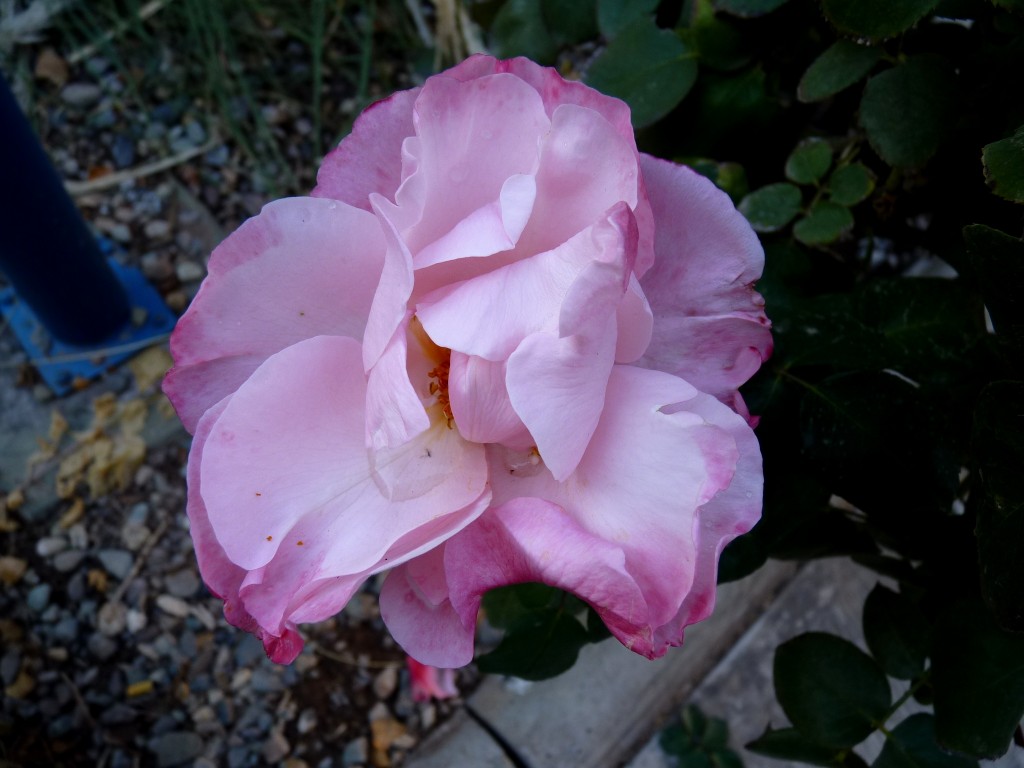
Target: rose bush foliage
{"points": [[496, 345]]}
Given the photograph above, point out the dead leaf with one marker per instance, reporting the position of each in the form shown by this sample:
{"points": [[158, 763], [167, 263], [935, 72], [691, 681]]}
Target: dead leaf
{"points": [[149, 367], [12, 569], [73, 514]]}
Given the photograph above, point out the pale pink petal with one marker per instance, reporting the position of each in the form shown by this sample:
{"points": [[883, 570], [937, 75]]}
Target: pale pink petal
{"points": [[394, 410], [635, 322], [286, 467], [733, 511], [472, 137], [709, 322], [586, 167], [303, 267], [369, 159], [480, 404], [557, 386], [389, 307], [648, 469], [494, 227], [415, 607], [490, 315], [554, 89]]}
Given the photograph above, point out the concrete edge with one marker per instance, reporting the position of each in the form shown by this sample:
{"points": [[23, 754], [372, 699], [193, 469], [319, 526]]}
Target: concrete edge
{"points": [[610, 703]]}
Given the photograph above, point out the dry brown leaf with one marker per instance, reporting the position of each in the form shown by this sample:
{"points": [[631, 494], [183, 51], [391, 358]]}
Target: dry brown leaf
{"points": [[73, 514], [149, 367], [12, 569], [50, 66]]}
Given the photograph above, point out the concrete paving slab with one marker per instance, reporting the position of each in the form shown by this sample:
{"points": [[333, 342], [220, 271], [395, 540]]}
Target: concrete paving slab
{"points": [[600, 712], [460, 742]]}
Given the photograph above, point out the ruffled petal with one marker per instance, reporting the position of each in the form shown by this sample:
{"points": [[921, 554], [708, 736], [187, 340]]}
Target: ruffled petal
{"points": [[480, 403], [286, 467], [709, 322], [394, 410], [369, 159], [389, 307], [472, 137], [301, 268], [650, 466]]}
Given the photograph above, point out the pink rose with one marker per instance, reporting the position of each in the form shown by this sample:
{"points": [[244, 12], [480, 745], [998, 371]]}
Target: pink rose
{"points": [[496, 345], [429, 682]]}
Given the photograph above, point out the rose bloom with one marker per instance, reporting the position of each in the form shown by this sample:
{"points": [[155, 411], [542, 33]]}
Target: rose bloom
{"points": [[496, 345]]}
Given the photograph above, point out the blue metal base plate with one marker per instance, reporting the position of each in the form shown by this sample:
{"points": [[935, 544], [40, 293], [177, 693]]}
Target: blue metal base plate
{"points": [[66, 367]]}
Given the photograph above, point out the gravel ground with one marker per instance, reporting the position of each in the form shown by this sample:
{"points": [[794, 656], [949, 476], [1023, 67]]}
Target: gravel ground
{"points": [[112, 652]]}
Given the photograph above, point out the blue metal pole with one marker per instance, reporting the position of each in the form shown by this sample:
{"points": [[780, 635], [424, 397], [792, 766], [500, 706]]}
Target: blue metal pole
{"points": [[46, 251]]}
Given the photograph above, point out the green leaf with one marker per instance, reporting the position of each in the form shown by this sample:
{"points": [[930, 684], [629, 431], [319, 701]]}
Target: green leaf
{"points": [[749, 7], [875, 19], [840, 66], [649, 68], [770, 208], [912, 744], [831, 691], [544, 647], [998, 445], [519, 29], [698, 740], [850, 184], [790, 744], [1004, 166], [728, 177], [907, 111], [719, 43], [512, 606], [824, 224], [897, 633], [809, 161], [978, 673], [613, 16]]}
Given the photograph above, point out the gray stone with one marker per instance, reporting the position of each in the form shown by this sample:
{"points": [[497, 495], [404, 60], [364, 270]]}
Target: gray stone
{"points": [[81, 95], [384, 684], [173, 606], [39, 597], [68, 560], [117, 562], [276, 747], [10, 665], [157, 229], [111, 619], [184, 583], [123, 151], [66, 630], [101, 646], [189, 271], [176, 748], [356, 751], [51, 545], [265, 681]]}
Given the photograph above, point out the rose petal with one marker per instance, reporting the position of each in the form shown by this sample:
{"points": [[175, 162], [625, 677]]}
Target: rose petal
{"points": [[389, 308], [557, 386], [286, 463], [480, 403], [709, 323], [369, 159], [649, 467], [301, 268], [635, 323], [472, 136], [394, 411]]}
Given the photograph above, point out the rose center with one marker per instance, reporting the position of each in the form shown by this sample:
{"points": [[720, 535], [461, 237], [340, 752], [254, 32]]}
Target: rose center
{"points": [[438, 376]]}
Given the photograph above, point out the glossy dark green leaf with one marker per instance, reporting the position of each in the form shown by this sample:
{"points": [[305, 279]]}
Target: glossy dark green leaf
{"points": [[613, 16], [770, 208], [875, 19], [850, 184], [912, 744], [998, 443], [840, 66], [832, 692], [824, 223], [718, 41], [519, 29], [897, 633], [978, 674], [1004, 166], [649, 68], [907, 111], [699, 740], [596, 629], [809, 161], [790, 744], [749, 7], [546, 646]]}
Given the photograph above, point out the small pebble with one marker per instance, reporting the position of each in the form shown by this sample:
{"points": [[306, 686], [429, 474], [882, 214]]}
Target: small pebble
{"points": [[385, 683], [111, 619], [189, 271], [356, 752], [176, 748], [81, 95], [123, 151], [38, 597], [101, 646], [173, 606], [306, 721], [68, 560], [12, 569], [184, 583], [276, 747], [134, 535], [156, 229], [135, 620], [51, 545], [117, 562]]}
